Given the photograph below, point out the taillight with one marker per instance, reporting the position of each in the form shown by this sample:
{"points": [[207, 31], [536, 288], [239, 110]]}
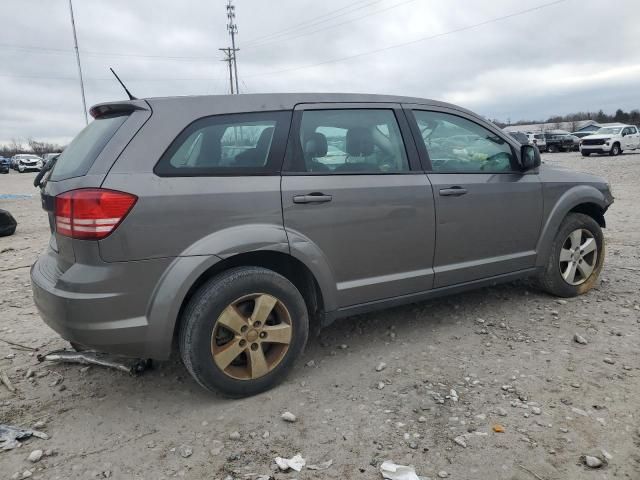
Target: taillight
{"points": [[91, 213]]}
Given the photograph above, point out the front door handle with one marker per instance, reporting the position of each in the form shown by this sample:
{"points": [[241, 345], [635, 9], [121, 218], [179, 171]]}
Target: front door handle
{"points": [[453, 191], [315, 197]]}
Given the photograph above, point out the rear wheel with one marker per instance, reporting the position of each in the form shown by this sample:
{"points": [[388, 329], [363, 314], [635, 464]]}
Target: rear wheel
{"points": [[243, 330], [552, 148], [576, 258], [615, 150]]}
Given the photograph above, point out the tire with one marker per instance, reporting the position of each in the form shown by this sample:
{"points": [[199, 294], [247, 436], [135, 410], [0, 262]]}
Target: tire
{"points": [[202, 319], [20, 170], [8, 224], [552, 148], [552, 280], [586, 154], [615, 150]]}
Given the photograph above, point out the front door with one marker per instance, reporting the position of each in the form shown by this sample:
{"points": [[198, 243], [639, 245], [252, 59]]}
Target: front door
{"points": [[353, 193], [488, 212]]}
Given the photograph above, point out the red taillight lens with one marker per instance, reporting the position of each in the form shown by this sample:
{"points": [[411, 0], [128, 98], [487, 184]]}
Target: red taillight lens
{"points": [[91, 213]]}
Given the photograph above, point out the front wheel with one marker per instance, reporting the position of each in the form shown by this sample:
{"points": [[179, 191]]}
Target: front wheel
{"points": [[552, 148], [576, 259], [586, 154], [243, 330], [615, 150], [21, 169]]}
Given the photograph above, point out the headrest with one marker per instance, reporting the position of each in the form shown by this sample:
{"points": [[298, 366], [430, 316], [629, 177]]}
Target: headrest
{"points": [[359, 142], [265, 139], [315, 145]]}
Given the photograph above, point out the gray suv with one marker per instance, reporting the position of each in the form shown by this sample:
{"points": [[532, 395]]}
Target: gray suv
{"points": [[233, 226]]}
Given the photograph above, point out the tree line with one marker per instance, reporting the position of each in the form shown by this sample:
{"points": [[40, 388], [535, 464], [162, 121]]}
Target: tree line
{"points": [[16, 146], [620, 116]]}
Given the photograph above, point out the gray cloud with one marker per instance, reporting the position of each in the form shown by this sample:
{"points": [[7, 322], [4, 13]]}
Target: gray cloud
{"points": [[567, 57]]}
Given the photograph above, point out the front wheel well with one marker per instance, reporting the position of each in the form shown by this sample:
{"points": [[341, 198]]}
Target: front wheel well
{"points": [[593, 210], [289, 267]]}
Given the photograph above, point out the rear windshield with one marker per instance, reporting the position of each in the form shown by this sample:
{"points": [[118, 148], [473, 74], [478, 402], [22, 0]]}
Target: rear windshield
{"points": [[77, 158]]}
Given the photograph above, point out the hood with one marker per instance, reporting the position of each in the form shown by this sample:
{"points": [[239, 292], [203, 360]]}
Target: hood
{"points": [[599, 137], [559, 174]]}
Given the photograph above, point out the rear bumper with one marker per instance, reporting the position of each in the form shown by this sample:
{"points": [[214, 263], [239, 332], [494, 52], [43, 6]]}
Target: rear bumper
{"points": [[102, 306]]}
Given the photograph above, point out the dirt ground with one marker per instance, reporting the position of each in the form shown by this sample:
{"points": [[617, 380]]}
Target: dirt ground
{"points": [[508, 352]]}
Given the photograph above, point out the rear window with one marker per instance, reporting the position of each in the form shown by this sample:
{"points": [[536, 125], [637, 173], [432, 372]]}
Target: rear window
{"points": [[234, 144], [77, 158]]}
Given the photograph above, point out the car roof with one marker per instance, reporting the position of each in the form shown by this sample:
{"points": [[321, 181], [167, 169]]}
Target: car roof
{"points": [[256, 102]]}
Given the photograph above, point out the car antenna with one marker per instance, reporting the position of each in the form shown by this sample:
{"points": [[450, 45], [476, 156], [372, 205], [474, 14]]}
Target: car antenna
{"points": [[131, 97]]}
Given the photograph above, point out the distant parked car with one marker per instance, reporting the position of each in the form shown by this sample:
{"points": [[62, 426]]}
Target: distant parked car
{"points": [[27, 163], [4, 164], [576, 142], [611, 140], [521, 137], [558, 142]]}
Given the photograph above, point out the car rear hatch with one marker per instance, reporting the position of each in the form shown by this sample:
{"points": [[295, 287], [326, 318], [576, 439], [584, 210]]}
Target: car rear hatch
{"points": [[84, 164]]}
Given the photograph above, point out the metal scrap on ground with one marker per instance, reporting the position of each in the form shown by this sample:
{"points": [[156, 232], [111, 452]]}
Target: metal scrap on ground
{"points": [[10, 436], [132, 366]]}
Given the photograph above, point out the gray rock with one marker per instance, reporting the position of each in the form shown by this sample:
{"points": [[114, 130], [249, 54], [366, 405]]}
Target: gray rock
{"points": [[380, 385], [536, 410], [579, 339], [234, 436], [289, 417], [35, 456], [381, 366], [608, 360], [442, 474], [185, 451], [460, 441], [592, 462], [500, 411]]}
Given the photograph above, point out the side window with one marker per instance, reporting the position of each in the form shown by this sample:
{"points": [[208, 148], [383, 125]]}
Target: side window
{"points": [[233, 144], [349, 141], [455, 144]]}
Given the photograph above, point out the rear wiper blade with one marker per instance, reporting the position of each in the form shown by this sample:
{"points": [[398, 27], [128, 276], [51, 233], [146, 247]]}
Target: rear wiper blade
{"points": [[38, 181]]}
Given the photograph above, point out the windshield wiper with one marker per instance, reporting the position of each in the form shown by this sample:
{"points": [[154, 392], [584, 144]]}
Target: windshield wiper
{"points": [[40, 181]]}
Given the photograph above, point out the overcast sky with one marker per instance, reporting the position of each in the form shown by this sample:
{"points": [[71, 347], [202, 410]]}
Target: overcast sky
{"points": [[569, 56]]}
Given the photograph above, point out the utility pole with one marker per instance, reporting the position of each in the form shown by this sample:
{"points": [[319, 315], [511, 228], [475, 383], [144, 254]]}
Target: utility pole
{"points": [[229, 59], [75, 43], [232, 28]]}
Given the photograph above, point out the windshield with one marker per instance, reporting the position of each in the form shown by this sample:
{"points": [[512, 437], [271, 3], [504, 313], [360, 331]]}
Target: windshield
{"points": [[609, 131]]}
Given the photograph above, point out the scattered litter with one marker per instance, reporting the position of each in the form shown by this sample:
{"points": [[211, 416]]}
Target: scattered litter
{"points": [[498, 428], [4, 378], [392, 471], [460, 441], [296, 463], [289, 417], [10, 435], [185, 451], [132, 366], [320, 466]]}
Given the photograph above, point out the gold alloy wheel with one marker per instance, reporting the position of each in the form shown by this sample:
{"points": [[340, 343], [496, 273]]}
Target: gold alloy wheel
{"points": [[251, 336]]}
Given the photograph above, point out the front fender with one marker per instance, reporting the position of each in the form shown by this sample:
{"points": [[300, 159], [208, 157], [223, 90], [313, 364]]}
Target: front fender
{"points": [[573, 197]]}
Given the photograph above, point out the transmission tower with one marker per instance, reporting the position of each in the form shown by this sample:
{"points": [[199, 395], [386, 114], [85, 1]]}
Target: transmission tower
{"points": [[232, 28]]}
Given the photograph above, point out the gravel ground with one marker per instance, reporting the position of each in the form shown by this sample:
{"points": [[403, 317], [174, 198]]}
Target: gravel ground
{"points": [[508, 352]]}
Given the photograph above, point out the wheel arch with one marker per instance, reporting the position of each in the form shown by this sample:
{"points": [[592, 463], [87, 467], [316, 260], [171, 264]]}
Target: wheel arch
{"points": [[584, 199], [284, 264]]}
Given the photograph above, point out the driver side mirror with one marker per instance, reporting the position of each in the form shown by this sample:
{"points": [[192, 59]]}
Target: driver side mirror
{"points": [[529, 157]]}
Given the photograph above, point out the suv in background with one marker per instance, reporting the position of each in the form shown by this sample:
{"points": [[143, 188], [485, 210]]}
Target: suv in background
{"points": [[4, 165], [611, 140], [228, 225]]}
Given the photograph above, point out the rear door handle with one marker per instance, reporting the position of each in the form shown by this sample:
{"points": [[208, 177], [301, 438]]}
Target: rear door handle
{"points": [[314, 197], [453, 191]]}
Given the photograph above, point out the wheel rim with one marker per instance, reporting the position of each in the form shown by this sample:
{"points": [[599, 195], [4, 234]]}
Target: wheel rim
{"points": [[251, 336], [578, 257]]}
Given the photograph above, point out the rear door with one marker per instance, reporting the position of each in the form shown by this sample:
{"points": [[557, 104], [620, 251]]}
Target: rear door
{"points": [[488, 213], [353, 192]]}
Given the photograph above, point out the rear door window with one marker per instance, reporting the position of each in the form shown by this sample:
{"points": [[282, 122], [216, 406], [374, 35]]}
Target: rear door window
{"points": [[79, 156], [235, 144]]}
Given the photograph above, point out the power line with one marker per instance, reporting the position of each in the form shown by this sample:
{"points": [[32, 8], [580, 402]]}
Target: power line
{"points": [[75, 44], [312, 21], [328, 27], [411, 42]]}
